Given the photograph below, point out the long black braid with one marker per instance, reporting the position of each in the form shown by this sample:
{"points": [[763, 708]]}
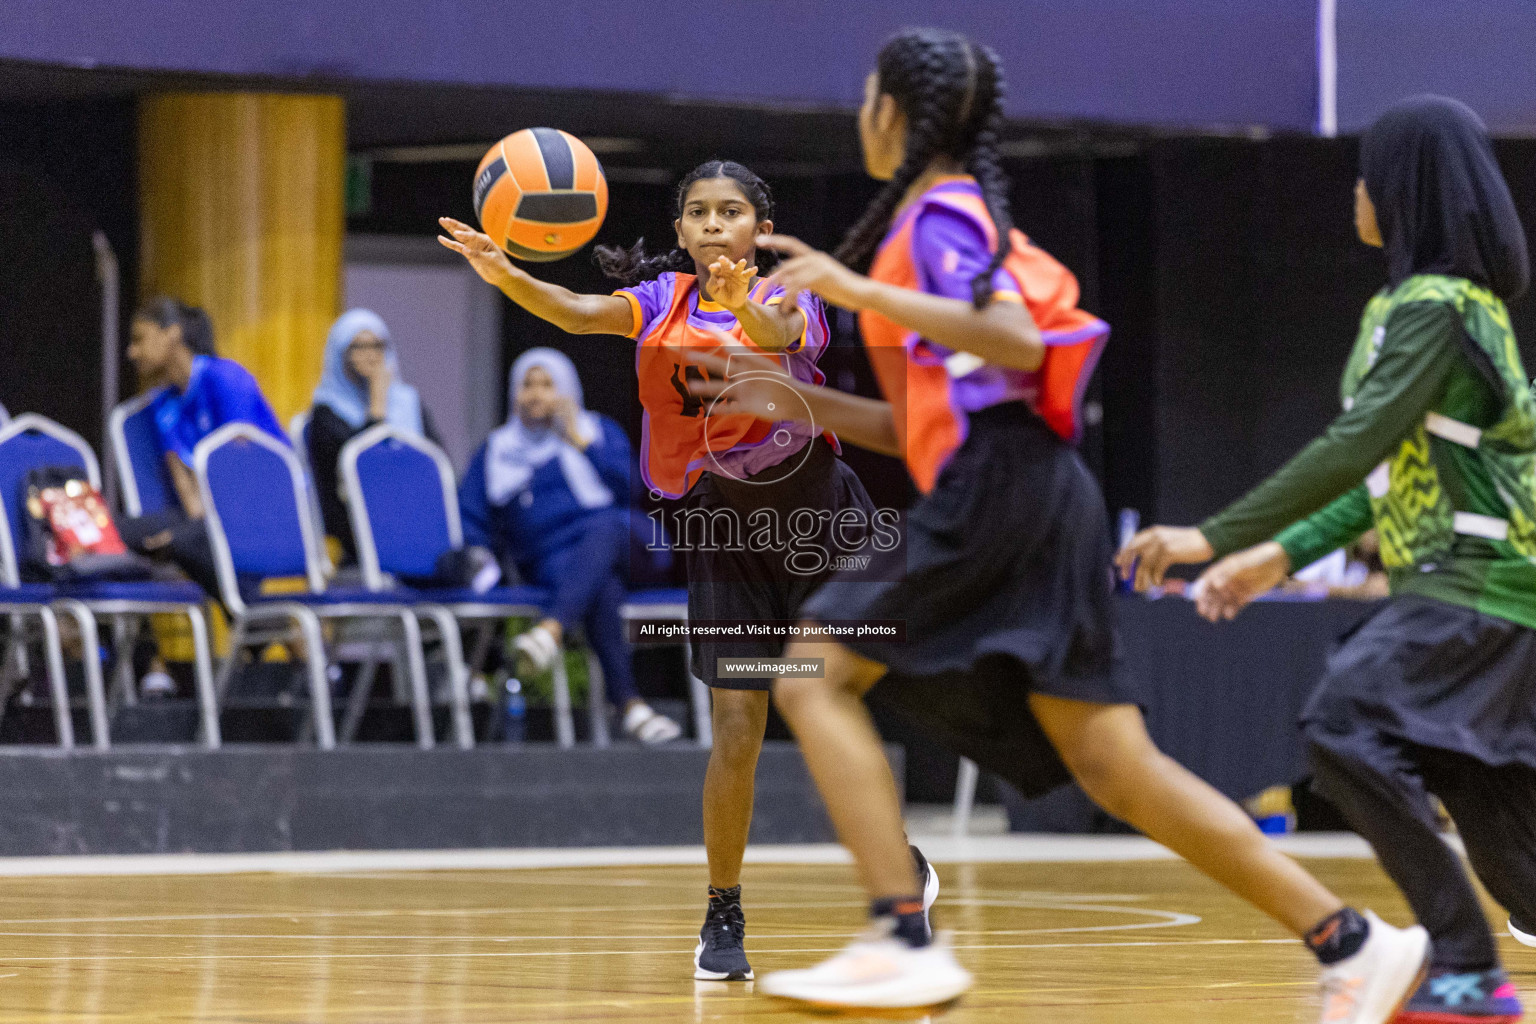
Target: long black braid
{"points": [[633, 265], [951, 91]]}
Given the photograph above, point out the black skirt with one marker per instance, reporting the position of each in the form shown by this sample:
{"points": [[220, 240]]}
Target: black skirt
{"points": [[734, 584], [1006, 588], [1437, 675]]}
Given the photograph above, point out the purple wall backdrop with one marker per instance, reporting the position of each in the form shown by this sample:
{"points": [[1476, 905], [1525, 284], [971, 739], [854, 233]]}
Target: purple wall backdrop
{"points": [[1483, 52], [1199, 63]]}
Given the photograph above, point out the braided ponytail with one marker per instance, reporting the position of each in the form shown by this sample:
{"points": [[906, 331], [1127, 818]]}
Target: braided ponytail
{"points": [[633, 265], [950, 90]]}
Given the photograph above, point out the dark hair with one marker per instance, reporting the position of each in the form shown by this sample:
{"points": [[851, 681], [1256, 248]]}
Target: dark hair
{"points": [[196, 329], [633, 265], [951, 91]]}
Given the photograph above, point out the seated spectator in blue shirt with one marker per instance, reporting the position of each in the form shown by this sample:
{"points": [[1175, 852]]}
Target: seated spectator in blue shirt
{"points": [[360, 387], [172, 348], [547, 491]]}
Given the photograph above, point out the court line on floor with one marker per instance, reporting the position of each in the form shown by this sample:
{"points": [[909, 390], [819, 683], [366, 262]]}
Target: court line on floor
{"points": [[547, 953], [1010, 849], [1026, 900], [1162, 919]]}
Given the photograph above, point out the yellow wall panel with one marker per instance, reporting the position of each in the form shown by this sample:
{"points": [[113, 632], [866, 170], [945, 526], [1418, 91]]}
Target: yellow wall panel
{"points": [[242, 213]]}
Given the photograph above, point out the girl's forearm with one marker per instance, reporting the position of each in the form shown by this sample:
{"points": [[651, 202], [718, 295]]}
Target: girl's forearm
{"points": [[769, 329], [1003, 333], [866, 422], [567, 310]]}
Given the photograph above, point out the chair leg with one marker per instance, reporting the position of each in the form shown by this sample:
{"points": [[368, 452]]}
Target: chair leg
{"points": [[9, 675], [202, 677], [565, 727], [319, 685], [416, 672], [965, 796], [90, 663], [357, 700], [458, 674], [482, 649], [124, 635], [23, 661], [597, 700], [231, 660], [53, 656]]}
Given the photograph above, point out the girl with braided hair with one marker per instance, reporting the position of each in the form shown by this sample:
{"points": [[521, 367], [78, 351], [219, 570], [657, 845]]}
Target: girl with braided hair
{"points": [[731, 470], [1004, 585]]}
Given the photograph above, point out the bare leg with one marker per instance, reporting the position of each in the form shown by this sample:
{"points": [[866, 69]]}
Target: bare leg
{"points": [[1107, 748], [739, 718], [842, 749]]}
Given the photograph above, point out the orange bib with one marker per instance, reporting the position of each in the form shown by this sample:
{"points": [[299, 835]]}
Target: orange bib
{"points": [[929, 423], [678, 439]]}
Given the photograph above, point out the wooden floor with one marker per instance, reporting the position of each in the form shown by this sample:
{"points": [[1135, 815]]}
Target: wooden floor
{"points": [[1146, 942]]}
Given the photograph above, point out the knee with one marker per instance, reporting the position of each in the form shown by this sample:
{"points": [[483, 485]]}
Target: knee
{"points": [[738, 723], [795, 697]]}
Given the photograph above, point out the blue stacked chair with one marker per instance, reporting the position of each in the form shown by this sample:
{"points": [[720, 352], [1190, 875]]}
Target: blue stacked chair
{"points": [[142, 476], [404, 509], [262, 528], [145, 485], [31, 442]]}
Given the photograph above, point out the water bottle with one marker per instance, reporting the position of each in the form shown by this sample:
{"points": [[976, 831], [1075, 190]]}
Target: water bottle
{"points": [[514, 721]]}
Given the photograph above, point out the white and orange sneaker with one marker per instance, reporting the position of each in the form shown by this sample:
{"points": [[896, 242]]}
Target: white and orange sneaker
{"points": [[1371, 986], [877, 971]]}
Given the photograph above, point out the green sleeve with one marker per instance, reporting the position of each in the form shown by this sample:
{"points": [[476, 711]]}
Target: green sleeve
{"points": [[1329, 528], [1420, 349]]}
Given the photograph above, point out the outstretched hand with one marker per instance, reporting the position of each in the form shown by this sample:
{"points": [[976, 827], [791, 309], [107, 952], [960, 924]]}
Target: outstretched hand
{"points": [[1227, 587], [730, 283], [1152, 552], [810, 270], [483, 254]]}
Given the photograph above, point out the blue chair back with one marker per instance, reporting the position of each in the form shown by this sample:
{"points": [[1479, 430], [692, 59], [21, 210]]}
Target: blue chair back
{"points": [[403, 503], [259, 519], [146, 483], [31, 442]]}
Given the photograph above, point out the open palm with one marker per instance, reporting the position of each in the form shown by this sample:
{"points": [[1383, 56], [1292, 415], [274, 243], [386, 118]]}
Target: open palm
{"points": [[476, 246]]}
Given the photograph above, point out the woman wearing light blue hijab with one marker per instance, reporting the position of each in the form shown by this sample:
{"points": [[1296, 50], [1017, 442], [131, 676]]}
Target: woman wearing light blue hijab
{"points": [[549, 491], [359, 387]]}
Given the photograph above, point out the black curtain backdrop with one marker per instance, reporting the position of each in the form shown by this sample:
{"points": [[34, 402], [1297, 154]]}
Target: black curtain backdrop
{"points": [[66, 169]]}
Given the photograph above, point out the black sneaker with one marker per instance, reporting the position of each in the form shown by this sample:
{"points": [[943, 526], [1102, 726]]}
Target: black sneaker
{"points": [[930, 880], [721, 954]]}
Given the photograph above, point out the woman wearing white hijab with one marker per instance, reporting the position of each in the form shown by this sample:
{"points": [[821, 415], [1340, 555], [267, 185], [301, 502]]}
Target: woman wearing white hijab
{"points": [[359, 387], [548, 492]]}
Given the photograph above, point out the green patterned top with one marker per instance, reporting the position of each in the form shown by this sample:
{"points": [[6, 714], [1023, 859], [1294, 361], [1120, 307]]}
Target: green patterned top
{"points": [[1455, 517]]}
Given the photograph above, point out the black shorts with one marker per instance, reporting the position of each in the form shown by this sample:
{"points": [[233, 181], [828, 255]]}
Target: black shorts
{"points": [[737, 585], [1437, 675], [1006, 588]]}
